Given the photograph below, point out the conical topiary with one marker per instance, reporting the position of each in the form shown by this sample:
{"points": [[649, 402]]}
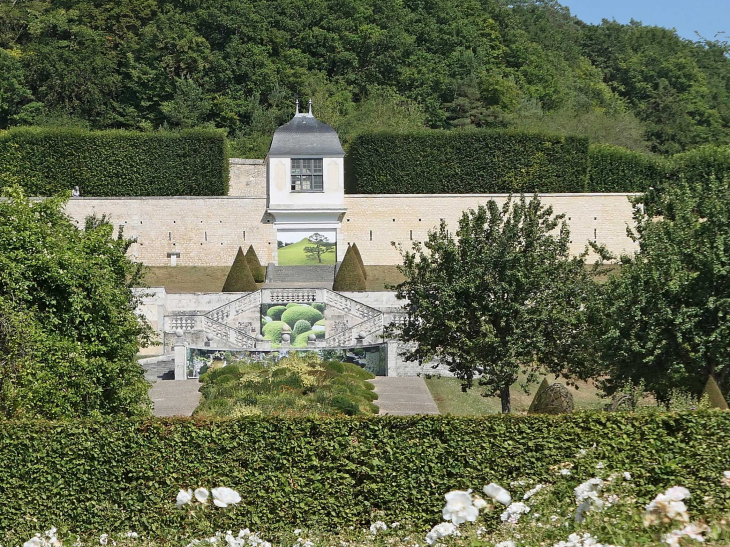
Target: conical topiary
{"points": [[257, 270], [359, 260], [543, 386], [555, 399], [349, 277], [239, 277], [713, 395]]}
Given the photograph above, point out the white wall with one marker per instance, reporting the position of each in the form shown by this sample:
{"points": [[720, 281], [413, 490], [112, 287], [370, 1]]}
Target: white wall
{"points": [[280, 193]]}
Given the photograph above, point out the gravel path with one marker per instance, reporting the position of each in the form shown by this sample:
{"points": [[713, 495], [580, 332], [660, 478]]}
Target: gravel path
{"points": [[175, 398], [403, 396]]}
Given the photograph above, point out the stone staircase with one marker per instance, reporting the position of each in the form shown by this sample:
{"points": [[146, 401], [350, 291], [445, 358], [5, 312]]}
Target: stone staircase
{"points": [[161, 367], [321, 277]]}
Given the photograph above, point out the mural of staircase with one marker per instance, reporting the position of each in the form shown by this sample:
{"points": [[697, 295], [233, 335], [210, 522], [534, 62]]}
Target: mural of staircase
{"points": [[320, 277]]}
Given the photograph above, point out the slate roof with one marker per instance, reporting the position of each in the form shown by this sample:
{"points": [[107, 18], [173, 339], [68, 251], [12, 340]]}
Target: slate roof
{"points": [[305, 135]]}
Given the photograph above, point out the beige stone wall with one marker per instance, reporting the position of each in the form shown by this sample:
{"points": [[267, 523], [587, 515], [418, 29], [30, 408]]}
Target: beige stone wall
{"points": [[205, 231], [247, 177], [373, 221]]}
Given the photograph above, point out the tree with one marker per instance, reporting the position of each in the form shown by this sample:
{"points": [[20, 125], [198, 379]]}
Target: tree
{"points": [[500, 298], [665, 319], [257, 270], [349, 277], [321, 245], [359, 260], [69, 332], [239, 277]]}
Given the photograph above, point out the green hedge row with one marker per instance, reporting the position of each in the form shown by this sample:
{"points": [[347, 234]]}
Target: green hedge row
{"points": [[614, 169], [119, 475], [463, 162], [45, 161]]}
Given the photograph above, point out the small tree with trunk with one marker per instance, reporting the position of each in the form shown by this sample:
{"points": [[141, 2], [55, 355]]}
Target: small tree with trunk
{"points": [[499, 299], [320, 246]]}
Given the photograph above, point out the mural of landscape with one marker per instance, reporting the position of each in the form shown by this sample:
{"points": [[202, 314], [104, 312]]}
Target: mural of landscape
{"points": [[372, 358], [306, 248], [299, 320]]}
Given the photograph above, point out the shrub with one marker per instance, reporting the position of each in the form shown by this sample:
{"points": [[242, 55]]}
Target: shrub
{"points": [[297, 313], [46, 161], [273, 331], [349, 277], [713, 395], [463, 162], [301, 326], [319, 306], [239, 277], [543, 386], [117, 475], [292, 304], [554, 399], [275, 312], [359, 260], [257, 270], [614, 169]]}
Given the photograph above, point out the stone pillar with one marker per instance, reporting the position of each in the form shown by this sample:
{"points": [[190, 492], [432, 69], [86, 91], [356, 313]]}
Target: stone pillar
{"points": [[392, 358], [181, 356], [285, 340]]}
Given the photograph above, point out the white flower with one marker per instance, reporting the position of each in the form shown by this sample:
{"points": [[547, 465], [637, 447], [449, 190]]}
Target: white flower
{"points": [[507, 543], [297, 531], [201, 494], [395, 524], [565, 472], [441, 531], [223, 496], [104, 539], [553, 518], [131, 535], [33, 542], [183, 497], [378, 526], [532, 492], [513, 513], [586, 540], [479, 503], [627, 476], [726, 478], [459, 508], [668, 507], [497, 493], [693, 531], [677, 493], [586, 496], [600, 465]]}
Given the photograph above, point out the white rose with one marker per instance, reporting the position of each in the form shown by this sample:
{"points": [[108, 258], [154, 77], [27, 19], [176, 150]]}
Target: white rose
{"points": [[498, 493], [183, 497], [223, 497]]}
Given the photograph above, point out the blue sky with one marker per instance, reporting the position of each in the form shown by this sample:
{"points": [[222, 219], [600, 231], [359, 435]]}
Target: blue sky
{"points": [[687, 16]]}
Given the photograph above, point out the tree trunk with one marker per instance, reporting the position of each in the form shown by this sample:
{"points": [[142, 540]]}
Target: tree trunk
{"points": [[505, 398]]}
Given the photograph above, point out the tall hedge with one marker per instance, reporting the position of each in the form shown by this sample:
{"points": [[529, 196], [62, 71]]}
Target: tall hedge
{"points": [[45, 161], [463, 162], [700, 164], [120, 475], [615, 169]]}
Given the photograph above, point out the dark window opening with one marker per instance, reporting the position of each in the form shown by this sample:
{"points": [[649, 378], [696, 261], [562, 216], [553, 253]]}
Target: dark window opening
{"points": [[306, 175]]}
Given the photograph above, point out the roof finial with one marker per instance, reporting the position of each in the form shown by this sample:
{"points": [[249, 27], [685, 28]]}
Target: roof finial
{"points": [[310, 106], [297, 106]]}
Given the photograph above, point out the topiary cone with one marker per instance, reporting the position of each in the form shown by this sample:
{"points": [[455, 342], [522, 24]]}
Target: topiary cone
{"points": [[349, 277], [257, 270], [543, 386], [359, 260], [714, 395], [239, 277]]}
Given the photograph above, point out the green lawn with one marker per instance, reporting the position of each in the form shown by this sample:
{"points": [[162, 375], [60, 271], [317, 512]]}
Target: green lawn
{"points": [[294, 255], [451, 400]]}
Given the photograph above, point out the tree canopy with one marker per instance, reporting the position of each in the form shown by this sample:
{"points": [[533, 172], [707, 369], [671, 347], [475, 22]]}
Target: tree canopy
{"points": [[69, 332], [499, 298], [238, 65]]}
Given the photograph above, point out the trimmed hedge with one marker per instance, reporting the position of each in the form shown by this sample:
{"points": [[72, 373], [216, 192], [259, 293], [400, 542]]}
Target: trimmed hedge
{"points": [[46, 161], [700, 164], [119, 475], [614, 169], [464, 162], [349, 276], [239, 277]]}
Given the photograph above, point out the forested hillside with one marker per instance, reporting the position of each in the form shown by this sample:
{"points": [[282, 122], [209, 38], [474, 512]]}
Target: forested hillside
{"points": [[367, 64]]}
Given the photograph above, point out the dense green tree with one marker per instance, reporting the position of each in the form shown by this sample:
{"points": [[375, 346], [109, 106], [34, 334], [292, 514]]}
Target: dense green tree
{"points": [[499, 298], [665, 319], [69, 331]]}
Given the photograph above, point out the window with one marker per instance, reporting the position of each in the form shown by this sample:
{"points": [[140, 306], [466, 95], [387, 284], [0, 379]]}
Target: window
{"points": [[306, 175]]}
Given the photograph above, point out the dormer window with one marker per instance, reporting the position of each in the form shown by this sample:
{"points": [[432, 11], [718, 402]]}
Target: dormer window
{"points": [[306, 175]]}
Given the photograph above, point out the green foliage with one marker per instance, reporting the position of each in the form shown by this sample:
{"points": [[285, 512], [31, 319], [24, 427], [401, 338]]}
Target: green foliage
{"points": [[359, 260], [301, 326], [257, 270], [614, 169], [554, 399], [464, 162], [319, 306], [239, 276], [273, 330], [46, 161], [297, 313], [275, 311], [120, 475], [702, 164], [349, 277], [664, 319], [542, 387], [499, 298], [714, 396], [69, 331]]}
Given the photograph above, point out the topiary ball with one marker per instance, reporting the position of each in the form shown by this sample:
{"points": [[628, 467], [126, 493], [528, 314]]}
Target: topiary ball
{"points": [[275, 312], [301, 326], [297, 313], [272, 331]]}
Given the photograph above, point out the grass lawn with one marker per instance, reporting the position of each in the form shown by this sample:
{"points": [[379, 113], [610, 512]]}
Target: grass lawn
{"points": [[187, 279], [379, 277], [294, 255], [451, 400]]}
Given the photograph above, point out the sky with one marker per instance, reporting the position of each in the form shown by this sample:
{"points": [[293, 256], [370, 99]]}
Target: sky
{"points": [[687, 16]]}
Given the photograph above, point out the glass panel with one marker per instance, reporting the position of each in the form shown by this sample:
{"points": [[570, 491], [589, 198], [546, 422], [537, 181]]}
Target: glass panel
{"points": [[306, 175], [318, 182], [317, 167]]}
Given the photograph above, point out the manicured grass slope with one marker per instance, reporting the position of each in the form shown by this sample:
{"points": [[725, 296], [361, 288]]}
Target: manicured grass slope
{"points": [[294, 255]]}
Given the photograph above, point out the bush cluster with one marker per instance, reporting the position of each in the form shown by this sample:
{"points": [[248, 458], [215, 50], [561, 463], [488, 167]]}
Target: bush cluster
{"points": [[120, 475], [46, 161], [464, 162], [615, 169]]}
